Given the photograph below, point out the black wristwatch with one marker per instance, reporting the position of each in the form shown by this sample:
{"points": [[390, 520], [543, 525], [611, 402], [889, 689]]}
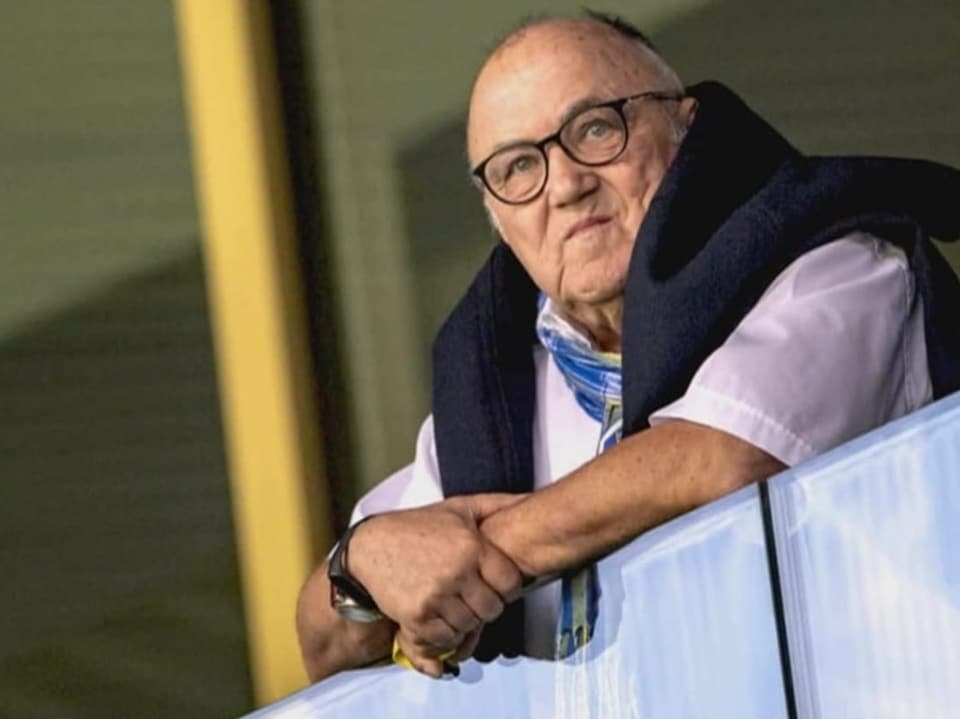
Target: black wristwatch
{"points": [[348, 596]]}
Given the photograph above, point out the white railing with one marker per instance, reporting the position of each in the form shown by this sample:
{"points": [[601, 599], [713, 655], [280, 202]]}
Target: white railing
{"points": [[860, 620]]}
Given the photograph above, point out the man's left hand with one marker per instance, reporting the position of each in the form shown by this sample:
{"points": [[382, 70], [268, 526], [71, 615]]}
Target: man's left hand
{"points": [[433, 572]]}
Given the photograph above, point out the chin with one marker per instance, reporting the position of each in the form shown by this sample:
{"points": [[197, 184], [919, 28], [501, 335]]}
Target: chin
{"points": [[597, 268], [594, 294]]}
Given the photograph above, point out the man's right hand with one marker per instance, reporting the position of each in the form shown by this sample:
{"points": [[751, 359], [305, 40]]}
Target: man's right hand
{"points": [[433, 572]]}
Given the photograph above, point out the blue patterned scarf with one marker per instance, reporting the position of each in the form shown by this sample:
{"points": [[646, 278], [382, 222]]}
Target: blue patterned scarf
{"points": [[593, 376], [595, 379]]}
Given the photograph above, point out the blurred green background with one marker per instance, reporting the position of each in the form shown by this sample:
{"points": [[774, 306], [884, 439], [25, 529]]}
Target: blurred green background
{"points": [[120, 593], [120, 588]]}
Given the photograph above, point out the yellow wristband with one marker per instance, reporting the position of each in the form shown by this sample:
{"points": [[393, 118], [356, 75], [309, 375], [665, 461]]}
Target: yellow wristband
{"points": [[400, 658]]}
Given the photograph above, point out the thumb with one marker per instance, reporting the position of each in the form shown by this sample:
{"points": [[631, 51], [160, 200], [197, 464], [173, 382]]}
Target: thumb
{"points": [[482, 506]]}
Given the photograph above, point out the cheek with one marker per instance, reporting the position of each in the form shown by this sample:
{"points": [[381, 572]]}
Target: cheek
{"points": [[633, 190], [645, 171], [653, 149], [522, 228]]}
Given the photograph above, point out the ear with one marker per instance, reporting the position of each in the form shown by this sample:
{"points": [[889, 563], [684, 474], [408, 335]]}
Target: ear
{"points": [[687, 111]]}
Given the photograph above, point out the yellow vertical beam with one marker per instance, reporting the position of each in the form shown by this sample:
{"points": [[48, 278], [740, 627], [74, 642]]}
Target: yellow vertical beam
{"points": [[258, 319]]}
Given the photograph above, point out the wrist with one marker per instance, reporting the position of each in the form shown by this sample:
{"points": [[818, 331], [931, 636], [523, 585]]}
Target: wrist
{"points": [[349, 595], [359, 551], [505, 534], [350, 645], [328, 642]]}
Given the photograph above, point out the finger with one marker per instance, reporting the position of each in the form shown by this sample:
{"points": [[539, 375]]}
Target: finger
{"points": [[482, 600], [482, 506], [435, 634], [468, 647], [499, 572], [458, 614], [431, 666]]}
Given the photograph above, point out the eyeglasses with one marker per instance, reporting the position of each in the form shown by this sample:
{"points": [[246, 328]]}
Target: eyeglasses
{"points": [[596, 136]]}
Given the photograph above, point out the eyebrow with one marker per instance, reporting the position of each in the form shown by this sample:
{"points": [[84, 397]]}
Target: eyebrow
{"points": [[572, 111]]}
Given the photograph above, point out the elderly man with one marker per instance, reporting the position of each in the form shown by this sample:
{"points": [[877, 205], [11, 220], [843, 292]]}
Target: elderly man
{"points": [[760, 319]]}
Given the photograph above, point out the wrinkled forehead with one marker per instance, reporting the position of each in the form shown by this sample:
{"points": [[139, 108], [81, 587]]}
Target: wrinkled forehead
{"points": [[528, 88]]}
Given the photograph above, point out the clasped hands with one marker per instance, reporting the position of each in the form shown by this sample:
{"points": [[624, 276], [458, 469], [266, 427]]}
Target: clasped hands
{"points": [[436, 575]]}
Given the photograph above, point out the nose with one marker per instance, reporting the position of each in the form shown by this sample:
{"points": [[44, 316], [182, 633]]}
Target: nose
{"points": [[568, 181]]}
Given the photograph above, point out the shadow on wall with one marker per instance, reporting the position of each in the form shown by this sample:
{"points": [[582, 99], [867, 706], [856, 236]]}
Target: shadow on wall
{"points": [[121, 588], [835, 78]]}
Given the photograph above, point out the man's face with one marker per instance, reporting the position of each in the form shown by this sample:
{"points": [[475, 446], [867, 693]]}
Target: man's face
{"points": [[576, 237]]}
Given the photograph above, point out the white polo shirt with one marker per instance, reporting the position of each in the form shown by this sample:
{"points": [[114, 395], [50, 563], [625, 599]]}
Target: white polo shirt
{"points": [[833, 348]]}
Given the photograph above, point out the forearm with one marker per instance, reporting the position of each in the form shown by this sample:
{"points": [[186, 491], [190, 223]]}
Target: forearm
{"points": [[330, 643], [647, 479]]}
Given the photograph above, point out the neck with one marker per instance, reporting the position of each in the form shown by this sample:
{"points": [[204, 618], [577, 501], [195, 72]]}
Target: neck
{"points": [[601, 322]]}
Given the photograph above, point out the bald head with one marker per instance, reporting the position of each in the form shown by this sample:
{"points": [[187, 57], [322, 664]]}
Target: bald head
{"points": [[596, 46]]}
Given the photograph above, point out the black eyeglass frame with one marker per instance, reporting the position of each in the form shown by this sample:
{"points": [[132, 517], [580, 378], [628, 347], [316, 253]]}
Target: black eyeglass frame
{"points": [[479, 172]]}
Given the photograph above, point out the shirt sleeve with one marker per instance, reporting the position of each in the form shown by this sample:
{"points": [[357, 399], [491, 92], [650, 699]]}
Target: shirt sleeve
{"points": [[415, 485], [834, 348]]}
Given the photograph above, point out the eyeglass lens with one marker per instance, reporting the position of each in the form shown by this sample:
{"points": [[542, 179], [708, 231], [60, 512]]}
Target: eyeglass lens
{"points": [[593, 137]]}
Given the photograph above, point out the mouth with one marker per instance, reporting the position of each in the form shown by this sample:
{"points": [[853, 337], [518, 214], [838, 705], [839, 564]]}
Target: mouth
{"points": [[588, 223]]}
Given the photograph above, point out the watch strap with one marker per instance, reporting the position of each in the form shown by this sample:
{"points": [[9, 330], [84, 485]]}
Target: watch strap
{"points": [[339, 574]]}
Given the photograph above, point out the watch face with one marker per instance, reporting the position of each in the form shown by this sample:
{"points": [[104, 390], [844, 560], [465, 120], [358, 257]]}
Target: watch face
{"points": [[347, 607], [356, 613]]}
